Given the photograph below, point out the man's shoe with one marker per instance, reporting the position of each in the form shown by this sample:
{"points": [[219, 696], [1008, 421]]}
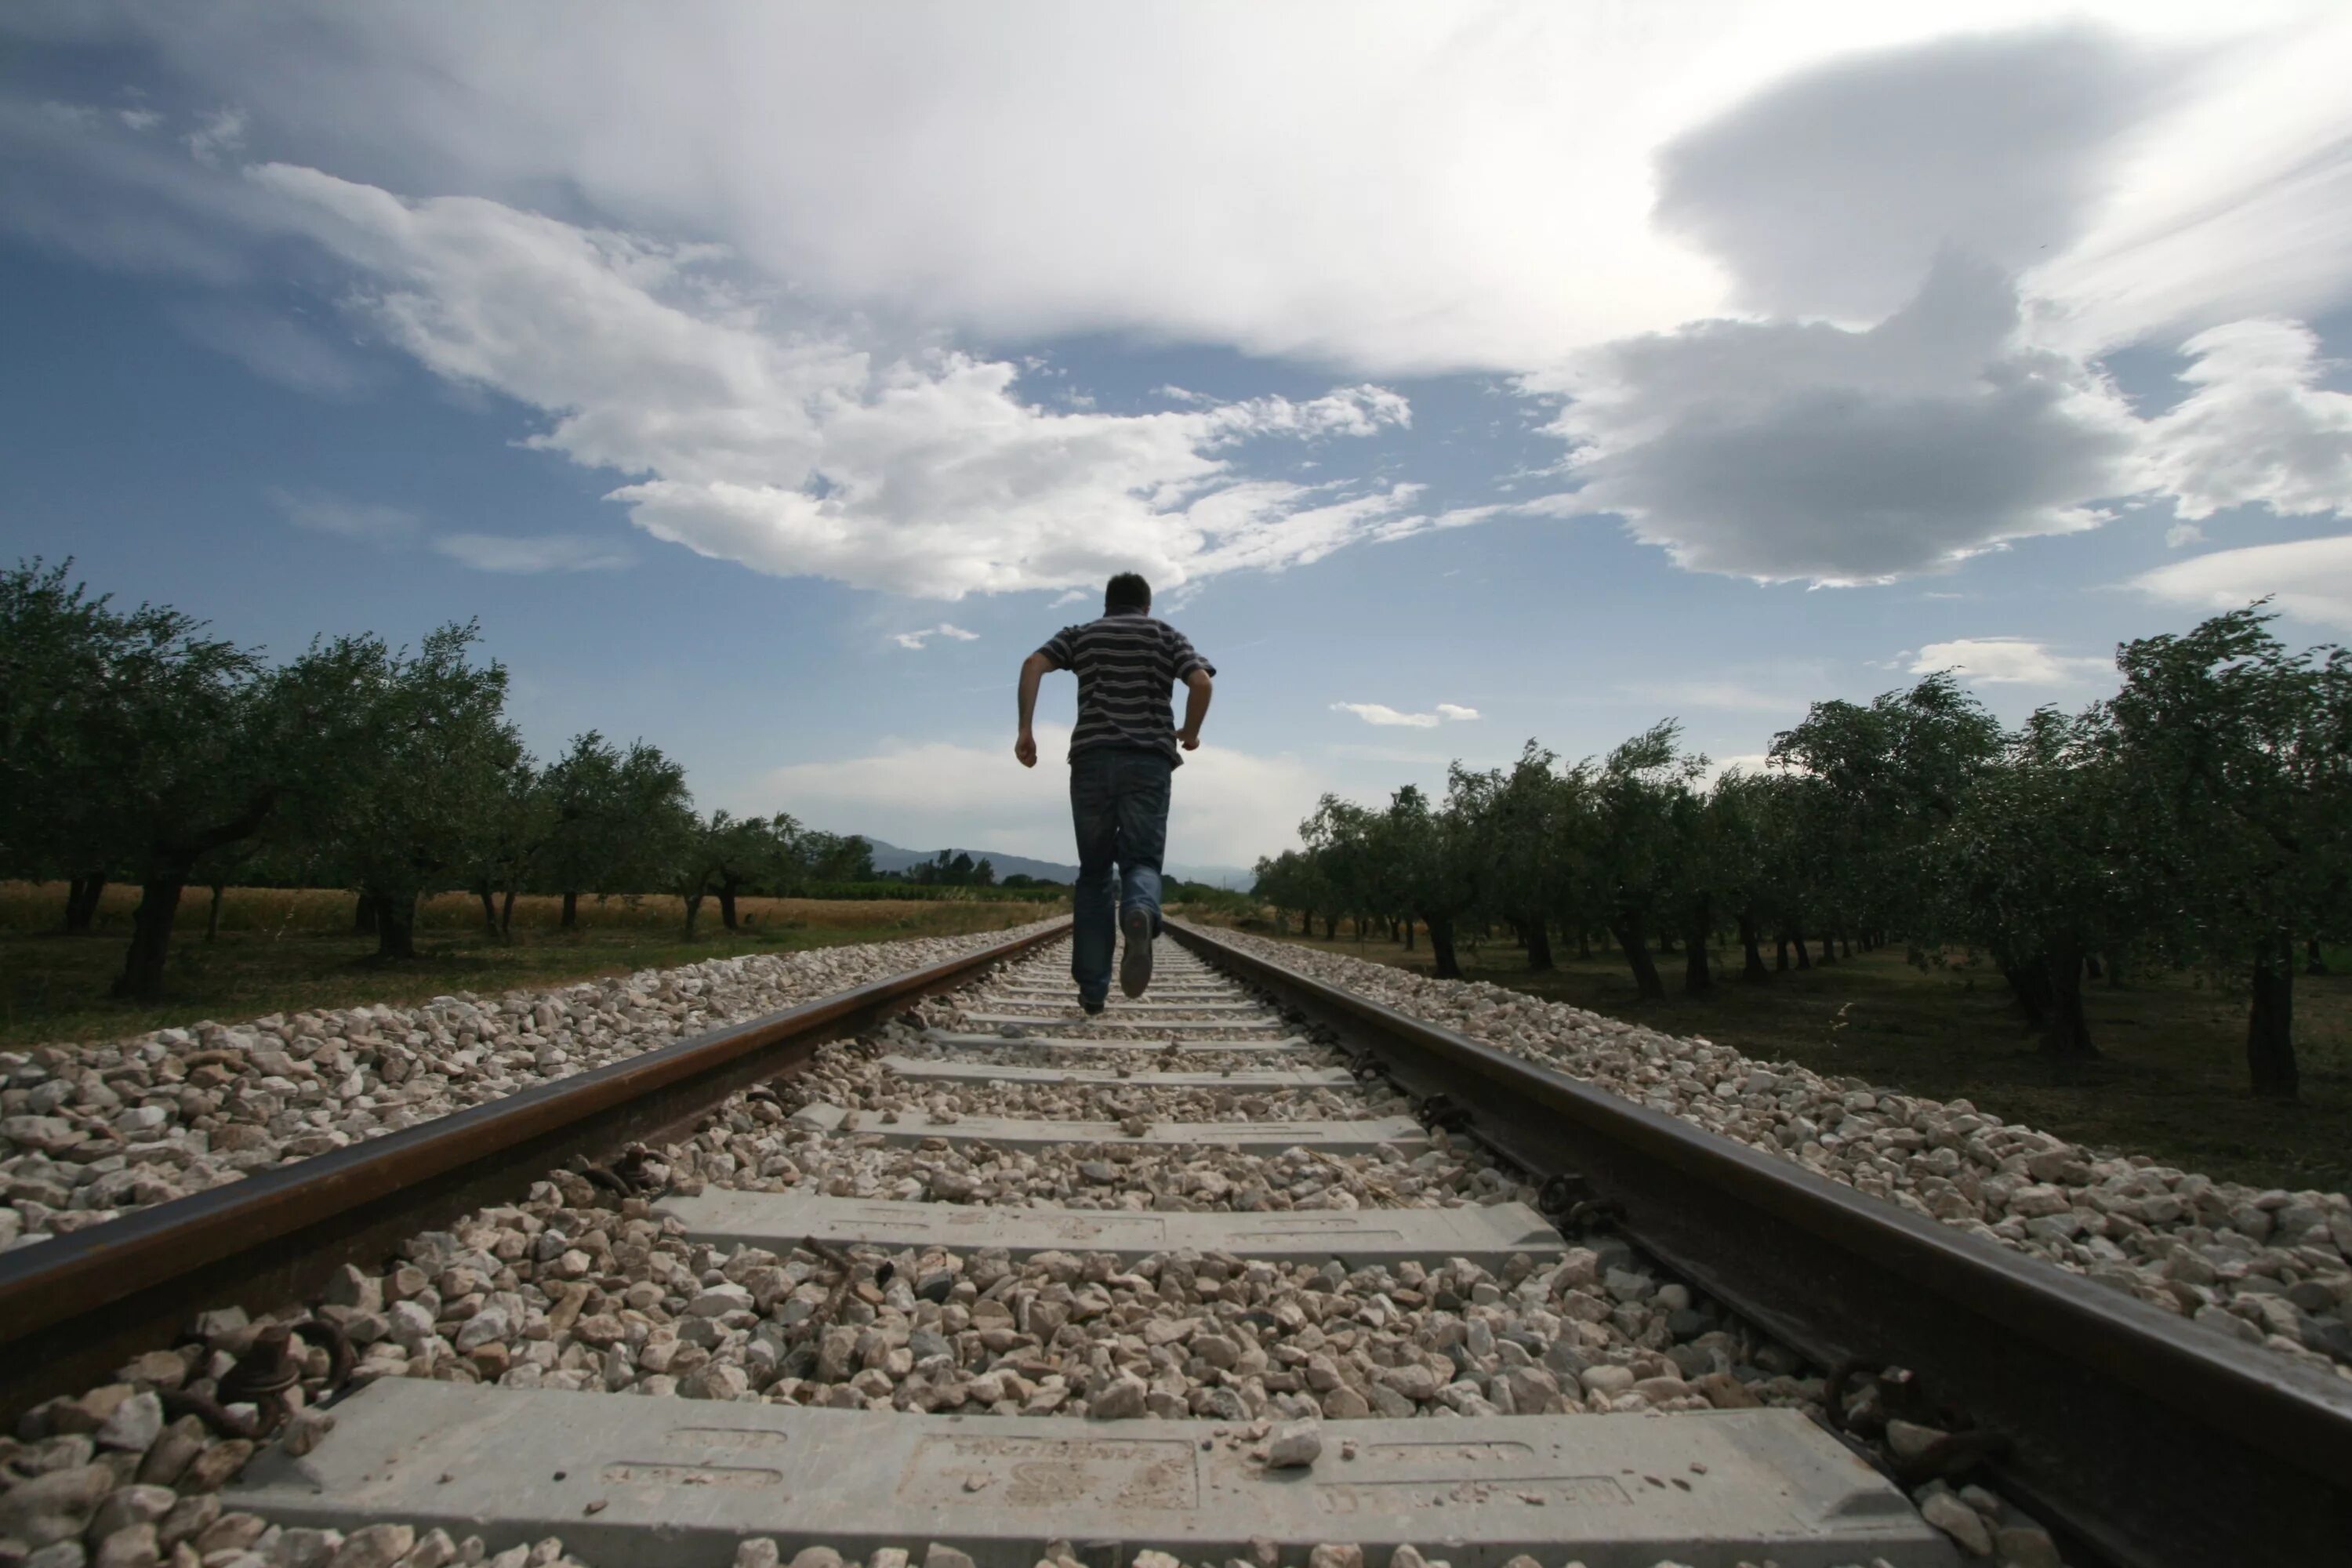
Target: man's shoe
{"points": [[1135, 964], [1094, 1004]]}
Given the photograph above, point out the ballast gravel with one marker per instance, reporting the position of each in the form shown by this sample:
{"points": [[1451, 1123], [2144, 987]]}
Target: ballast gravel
{"points": [[573, 1288], [2267, 1267], [89, 1132]]}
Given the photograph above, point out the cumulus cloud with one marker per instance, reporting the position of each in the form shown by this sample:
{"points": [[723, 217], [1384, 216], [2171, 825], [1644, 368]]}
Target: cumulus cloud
{"points": [[322, 511], [2310, 579], [2008, 661], [1783, 450], [2257, 428], [1381, 713], [944, 629], [531, 554], [1831, 192], [797, 452], [1229, 807]]}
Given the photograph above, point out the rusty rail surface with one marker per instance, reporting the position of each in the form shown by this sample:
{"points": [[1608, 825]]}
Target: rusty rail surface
{"points": [[74, 1308], [2143, 1440]]}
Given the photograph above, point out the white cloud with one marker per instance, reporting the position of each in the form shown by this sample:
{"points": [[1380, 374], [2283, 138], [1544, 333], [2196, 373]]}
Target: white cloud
{"points": [[1746, 761], [2183, 533], [1805, 451], [1400, 200], [216, 136], [944, 629], [2310, 579], [322, 511], [797, 452], [2258, 429], [1228, 806], [1831, 192], [1381, 713], [275, 348], [532, 553], [2008, 661]]}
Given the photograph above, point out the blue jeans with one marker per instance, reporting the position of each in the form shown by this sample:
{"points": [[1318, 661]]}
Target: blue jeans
{"points": [[1119, 801]]}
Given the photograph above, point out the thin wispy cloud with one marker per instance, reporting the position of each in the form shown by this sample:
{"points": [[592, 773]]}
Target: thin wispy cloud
{"points": [[368, 523], [944, 629], [1381, 714], [531, 554]]}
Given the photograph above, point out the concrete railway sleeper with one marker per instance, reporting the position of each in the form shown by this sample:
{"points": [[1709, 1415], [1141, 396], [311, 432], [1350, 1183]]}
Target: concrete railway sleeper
{"points": [[965, 1291]]}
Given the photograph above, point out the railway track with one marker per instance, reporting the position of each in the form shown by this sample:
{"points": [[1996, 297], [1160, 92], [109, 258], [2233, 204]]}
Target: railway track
{"points": [[1252, 1269]]}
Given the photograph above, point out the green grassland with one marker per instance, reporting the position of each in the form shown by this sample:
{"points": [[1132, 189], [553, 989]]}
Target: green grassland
{"points": [[285, 951], [2170, 1081]]}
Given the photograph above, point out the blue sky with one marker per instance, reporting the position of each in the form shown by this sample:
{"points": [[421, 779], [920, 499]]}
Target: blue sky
{"points": [[1505, 373]]}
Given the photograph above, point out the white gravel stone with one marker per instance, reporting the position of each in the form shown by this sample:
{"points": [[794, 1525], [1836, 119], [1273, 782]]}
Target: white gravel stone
{"points": [[182, 1110], [2267, 1267]]}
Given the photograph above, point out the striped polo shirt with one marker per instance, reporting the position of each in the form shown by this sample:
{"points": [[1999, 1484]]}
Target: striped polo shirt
{"points": [[1126, 663]]}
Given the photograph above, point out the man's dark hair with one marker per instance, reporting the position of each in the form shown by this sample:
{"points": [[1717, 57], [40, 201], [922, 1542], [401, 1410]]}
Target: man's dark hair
{"points": [[1128, 590]]}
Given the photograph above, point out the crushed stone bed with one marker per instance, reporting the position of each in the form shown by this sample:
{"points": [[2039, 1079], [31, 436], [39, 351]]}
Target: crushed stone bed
{"points": [[2268, 1267], [89, 1132], [574, 1288]]}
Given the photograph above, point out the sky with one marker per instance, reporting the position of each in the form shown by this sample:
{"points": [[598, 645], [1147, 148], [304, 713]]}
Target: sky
{"points": [[767, 381]]}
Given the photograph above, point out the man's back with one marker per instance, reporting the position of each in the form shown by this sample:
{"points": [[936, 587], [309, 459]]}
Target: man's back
{"points": [[1123, 753], [1126, 664]]}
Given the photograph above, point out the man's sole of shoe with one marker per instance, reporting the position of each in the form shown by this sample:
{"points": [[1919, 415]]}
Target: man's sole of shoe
{"points": [[1135, 964]]}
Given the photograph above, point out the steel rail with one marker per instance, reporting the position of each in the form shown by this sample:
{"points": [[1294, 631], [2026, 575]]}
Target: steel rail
{"points": [[2149, 1442], [74, 1308]]}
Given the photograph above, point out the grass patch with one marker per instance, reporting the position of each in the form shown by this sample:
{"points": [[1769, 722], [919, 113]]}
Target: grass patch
{"points": [[283, 951], [2171, 1082]]}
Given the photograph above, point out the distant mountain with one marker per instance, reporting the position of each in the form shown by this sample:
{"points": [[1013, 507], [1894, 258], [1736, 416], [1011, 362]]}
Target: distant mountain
{"points": [[890, 857]]}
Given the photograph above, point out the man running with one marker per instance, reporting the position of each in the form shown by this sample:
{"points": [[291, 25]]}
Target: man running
{"points": [[1123, 756]]}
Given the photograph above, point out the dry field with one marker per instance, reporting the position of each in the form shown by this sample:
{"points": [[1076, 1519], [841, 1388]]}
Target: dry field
{"points": [[282, 950]]}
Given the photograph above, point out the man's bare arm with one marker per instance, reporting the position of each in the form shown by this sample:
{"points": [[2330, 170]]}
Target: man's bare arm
{"points": [[1032, 670], [1196, 708]]}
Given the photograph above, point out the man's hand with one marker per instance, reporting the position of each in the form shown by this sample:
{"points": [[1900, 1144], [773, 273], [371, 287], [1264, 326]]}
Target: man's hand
{"points": [[1188, 739], [1026, 748]]}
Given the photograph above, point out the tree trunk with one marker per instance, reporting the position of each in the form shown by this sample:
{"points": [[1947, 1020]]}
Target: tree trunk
{"points": [[506, 913], [1697, 978], [693, 908], [82, 895], [1751, 967], [1846, 943], [489, 907], [212, 911], [1538, 945], [2312, 963], [151, 938], [1666, 944], [1331, 927], [1408, 922], [2069, 1032], [1637, 954], [1804, 959], [395, 925], [1583, 940], [1781, 957], [1829, 950], [1440, 947], [570, 907], [363, 917], [727, 904], [2030, 981], [2270, 1022]]}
